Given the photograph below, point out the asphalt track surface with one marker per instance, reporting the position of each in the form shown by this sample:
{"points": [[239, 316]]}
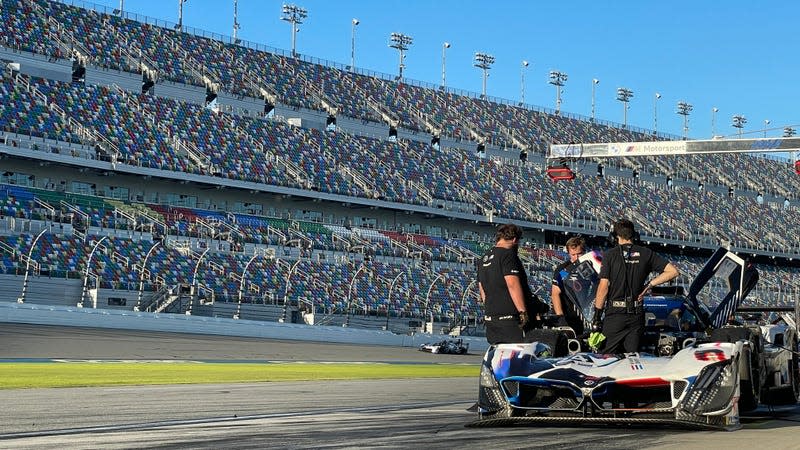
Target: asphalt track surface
{"points": [[428, 413]]}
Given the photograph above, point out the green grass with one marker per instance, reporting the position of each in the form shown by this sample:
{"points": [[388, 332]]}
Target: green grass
{"points": [[75, 374]]}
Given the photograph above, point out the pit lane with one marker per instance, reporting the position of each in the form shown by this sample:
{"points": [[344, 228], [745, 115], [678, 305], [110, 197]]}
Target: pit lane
{"points": [[427, 413]]}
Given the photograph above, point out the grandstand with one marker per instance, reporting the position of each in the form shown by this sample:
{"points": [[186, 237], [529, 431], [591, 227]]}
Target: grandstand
{"points": [[141, 173]]}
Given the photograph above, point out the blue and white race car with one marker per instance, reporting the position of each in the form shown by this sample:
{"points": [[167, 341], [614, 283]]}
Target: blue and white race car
{"points": [[697, 366]]}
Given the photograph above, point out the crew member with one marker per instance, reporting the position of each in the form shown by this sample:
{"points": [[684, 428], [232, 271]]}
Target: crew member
{"points": [[623, 274], [567, 317], [509, 305]]}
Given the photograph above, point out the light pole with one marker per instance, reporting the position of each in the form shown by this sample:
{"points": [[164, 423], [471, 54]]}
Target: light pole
{"points": [[350, 295], [236, 24], [294, 15], [595, 82], [484, 62], [241, 286], [355, 22], [684, 109], [445, 46], [558, 79], [766, 123], [21, 298], [714, 112], [400, 42], [286, 290], [141, 274], [86, 275], [428, 300], [738, 123], [522, 82], [468, 291], [655, 113], [180, 14], [389, 298], [624, 95], [195, 283]]}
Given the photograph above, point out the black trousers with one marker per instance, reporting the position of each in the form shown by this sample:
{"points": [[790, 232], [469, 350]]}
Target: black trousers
{"points": [[504, 332], [623, 332]]}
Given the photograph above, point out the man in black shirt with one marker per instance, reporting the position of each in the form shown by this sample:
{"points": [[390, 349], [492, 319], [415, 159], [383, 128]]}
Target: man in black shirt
{"points": [[625, 269], [509, 304], [562, 306]]}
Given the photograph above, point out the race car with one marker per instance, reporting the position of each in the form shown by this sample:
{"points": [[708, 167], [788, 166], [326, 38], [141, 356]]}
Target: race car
{"points": [[697, 367], [447, 346]]}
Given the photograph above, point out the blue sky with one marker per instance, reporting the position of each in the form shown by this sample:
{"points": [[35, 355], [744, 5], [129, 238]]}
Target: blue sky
{"points": [[738, 56]]}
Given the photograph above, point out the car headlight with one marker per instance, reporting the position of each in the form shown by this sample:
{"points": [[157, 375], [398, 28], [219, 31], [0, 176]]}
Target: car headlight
{"points": [[713, 389]]}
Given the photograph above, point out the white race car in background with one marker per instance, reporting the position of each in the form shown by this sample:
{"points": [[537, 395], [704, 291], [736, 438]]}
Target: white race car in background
{"points": [[447, 346]]}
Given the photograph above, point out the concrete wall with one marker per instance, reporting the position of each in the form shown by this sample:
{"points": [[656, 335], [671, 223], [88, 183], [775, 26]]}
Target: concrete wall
{"points": [[13, 312]]}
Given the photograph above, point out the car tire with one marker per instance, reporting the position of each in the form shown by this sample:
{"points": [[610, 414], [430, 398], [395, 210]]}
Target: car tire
{"points": [[749, 365]]}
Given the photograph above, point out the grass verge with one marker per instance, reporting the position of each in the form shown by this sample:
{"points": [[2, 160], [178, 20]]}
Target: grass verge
{"points": [[76, 374]]}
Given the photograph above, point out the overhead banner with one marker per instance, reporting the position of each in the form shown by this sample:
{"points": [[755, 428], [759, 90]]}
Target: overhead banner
{"points": [[614, 149], [617, 149]]}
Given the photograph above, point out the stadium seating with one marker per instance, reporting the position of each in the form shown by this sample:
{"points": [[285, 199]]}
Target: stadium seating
{"points": [[328, 287]]}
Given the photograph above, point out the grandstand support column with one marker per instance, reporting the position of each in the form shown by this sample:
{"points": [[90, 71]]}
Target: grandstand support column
{"points": [[286, 291], [21, 298], [141, 274], [86, 275], [428, 300], [195, 294], [241, 285], [350, 295], [389, 297]]}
